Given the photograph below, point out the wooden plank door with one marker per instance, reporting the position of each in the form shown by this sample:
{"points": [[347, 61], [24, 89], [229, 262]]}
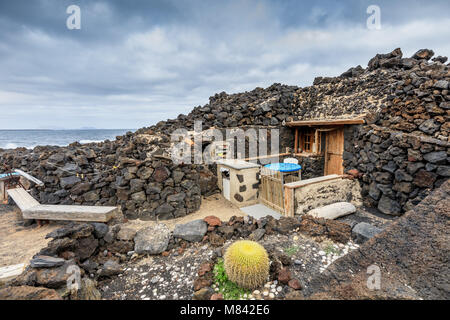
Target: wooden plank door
{"points": [[272, 189], [333, 152]]}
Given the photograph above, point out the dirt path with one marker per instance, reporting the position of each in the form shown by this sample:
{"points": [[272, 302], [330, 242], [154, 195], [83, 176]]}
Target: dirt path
{"points": [[18, 244], [215, 205]]}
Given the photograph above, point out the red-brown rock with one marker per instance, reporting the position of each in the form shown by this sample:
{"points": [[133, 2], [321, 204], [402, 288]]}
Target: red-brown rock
{"points": [[355, 173], [201, 283], [217, 296], [161, 174], [294, 284], [425, 179], [213, 221], [204, 268], [284, 276]]}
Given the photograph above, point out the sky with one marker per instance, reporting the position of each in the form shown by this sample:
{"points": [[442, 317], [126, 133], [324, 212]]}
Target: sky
{"points": [[134, 63]]}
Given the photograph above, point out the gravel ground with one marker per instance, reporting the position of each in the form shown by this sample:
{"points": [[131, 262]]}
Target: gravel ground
{"points": [[172, 277], [158, 277]]}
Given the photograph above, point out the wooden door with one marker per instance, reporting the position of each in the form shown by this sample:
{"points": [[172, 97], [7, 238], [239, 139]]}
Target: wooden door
{"points": [[333, 152], [272, 189]]}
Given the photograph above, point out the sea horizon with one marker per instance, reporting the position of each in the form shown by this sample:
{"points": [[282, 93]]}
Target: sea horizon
{"points": [[31, 138]]}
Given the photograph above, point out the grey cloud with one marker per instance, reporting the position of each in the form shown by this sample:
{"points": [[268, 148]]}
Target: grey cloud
{"points": [[134, 63]]}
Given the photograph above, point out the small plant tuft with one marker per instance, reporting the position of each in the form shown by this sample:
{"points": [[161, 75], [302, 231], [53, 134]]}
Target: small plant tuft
{"points": [[331, 249], [290, 251], [229, 290]]}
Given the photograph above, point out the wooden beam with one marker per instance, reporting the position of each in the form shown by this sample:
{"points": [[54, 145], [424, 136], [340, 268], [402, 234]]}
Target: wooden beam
{"points": [[22, 198], [29, 177], [296, 141], [268, 156], [324, 122], [307, 182]]}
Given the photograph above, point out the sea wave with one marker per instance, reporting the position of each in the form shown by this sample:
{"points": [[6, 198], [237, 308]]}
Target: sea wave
{"points": [[90, 141], [10, 145]]}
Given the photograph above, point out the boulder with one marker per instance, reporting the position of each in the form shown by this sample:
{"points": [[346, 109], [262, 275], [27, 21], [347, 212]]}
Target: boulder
{"points": [[46, 262], [110, 268], [152, 240], [69, 182], [54, 278], [28, 293], [257, 234], [203, 294], [436, 157], [441, 84], [389, 206], [425, 54], [193, 231], [424, 179], [100, 229], [333, 211], [72, 230], [286, 224], [429, 126], [86, 247], [126, 233], [88, 291], [363, 231]]}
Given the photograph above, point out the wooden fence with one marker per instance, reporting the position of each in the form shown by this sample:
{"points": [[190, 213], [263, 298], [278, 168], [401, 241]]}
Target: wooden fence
{"points": [[272, 188]]}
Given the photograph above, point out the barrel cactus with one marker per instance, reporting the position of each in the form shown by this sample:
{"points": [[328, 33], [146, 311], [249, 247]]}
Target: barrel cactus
{"points": [[247, 264]]}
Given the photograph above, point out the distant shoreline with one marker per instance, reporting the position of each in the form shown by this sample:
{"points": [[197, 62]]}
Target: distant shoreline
{"points": [[31, 138]]}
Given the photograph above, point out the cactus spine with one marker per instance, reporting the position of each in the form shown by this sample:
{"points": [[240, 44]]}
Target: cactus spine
{"points": [[247, 264]]}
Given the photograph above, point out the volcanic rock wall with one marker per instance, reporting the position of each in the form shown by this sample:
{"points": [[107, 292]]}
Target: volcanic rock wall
{"points": [[398, 170], [403, 152]]}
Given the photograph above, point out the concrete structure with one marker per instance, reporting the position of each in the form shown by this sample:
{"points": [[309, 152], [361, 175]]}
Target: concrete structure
{"points": [[31, 209], [239, 181], [305, 195]]}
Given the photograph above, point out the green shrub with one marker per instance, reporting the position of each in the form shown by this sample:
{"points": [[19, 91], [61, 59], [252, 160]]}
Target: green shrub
{"points": [[229, 290]]}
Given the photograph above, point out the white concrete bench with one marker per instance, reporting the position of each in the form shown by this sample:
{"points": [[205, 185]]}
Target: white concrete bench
{"points": [[31, 209]]}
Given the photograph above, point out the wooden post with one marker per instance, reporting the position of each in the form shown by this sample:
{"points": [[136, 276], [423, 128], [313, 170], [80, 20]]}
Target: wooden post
{"points": [[316, 141], [296, 141], [3, 195], [289, 202]]}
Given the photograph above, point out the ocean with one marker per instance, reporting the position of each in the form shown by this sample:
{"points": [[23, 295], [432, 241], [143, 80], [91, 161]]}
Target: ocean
{"points": [[10, 139]]}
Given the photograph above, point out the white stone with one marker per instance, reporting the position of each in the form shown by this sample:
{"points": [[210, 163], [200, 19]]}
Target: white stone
{"points": [[333, 211]]}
